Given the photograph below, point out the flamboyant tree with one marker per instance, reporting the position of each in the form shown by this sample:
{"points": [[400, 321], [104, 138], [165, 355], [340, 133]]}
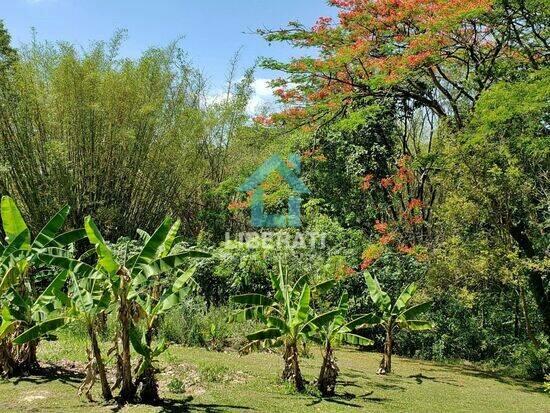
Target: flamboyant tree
{"points": [[437, 54]]}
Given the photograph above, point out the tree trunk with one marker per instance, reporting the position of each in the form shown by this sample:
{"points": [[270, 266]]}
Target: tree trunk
{"points": [[105, 388], [147, 387], [128, 390], [291, 372], [385, 364], [536, 282], [328, 374]]}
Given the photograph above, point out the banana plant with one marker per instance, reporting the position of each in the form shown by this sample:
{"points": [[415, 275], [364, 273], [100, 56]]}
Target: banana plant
{"points": [[87, 296], [286, 316], [329, 330], [40, 316], [125, 280], [392, 317], [22, 305], [151, 306]]}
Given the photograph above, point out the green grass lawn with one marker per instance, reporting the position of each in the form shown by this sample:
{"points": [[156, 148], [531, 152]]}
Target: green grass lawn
{"points": [[216, 382]]}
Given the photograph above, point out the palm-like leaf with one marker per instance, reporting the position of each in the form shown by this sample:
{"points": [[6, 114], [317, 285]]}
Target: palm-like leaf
{"points": [[380, 298], [13, 221]]}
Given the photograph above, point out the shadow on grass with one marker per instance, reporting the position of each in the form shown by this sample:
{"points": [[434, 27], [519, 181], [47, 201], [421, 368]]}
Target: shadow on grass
{"points": [[348, 399], [186, 405], [49, 373], [525, 385], [420, 378]]}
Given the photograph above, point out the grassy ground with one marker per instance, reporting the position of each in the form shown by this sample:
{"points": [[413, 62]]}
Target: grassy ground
{"points": [[196, 380]]}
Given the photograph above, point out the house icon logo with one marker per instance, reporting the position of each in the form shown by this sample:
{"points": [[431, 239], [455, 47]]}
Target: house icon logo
{"points": [[290, 172]]}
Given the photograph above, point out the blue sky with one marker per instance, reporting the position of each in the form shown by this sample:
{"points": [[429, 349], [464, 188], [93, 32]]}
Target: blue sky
{"points": [[213, 30]]}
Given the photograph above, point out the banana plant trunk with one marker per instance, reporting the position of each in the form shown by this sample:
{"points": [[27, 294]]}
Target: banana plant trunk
{"points": [[385, 364], [329, 373], [8, 366], [105, 388], [24, 355], [128, 390], [147, 386], [291, 372]]}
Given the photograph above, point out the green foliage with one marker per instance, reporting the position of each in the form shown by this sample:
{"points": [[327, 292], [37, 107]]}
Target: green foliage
{"points": [[176, 386]]}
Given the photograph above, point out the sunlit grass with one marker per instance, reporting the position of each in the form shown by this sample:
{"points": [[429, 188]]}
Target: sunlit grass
{"points": [[216, 381]]}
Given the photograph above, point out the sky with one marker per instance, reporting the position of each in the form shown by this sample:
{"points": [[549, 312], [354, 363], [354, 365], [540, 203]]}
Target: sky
{"points": [[212, 30]]}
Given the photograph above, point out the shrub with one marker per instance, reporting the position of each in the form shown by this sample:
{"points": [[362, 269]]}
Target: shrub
{"points": [[176, 386], [192, 324]]}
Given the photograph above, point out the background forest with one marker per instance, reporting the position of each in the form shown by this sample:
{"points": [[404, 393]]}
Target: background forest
{"points": [[424, 133]]}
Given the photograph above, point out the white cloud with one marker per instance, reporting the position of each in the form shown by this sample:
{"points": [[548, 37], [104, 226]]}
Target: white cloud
{"points": [[262, 96]]}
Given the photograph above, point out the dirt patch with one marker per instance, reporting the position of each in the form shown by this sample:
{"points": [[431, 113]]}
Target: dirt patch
{"points": [[33, 396]]}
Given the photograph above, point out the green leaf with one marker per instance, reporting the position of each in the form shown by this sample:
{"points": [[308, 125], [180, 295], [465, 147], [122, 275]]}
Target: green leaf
{"points": [[150, 250], [367, 320], [278, 323], [39, 330], [67, 238], [17, 244], [299, 285], [48, 233], [404, 298], [415, 311], [169, 240], [106, 258], [250, 313], [267, 334], [170, 262], [325, 286], [10, 278], [252, 299], [415, 325], [379, 297], [13, 222], [356, 340], [343, 303], [81, 269], [49, 293], [138, 342], [303, 304], [9, 323], [169, 302], [7, 327], [325, 318], [183, 278]]}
